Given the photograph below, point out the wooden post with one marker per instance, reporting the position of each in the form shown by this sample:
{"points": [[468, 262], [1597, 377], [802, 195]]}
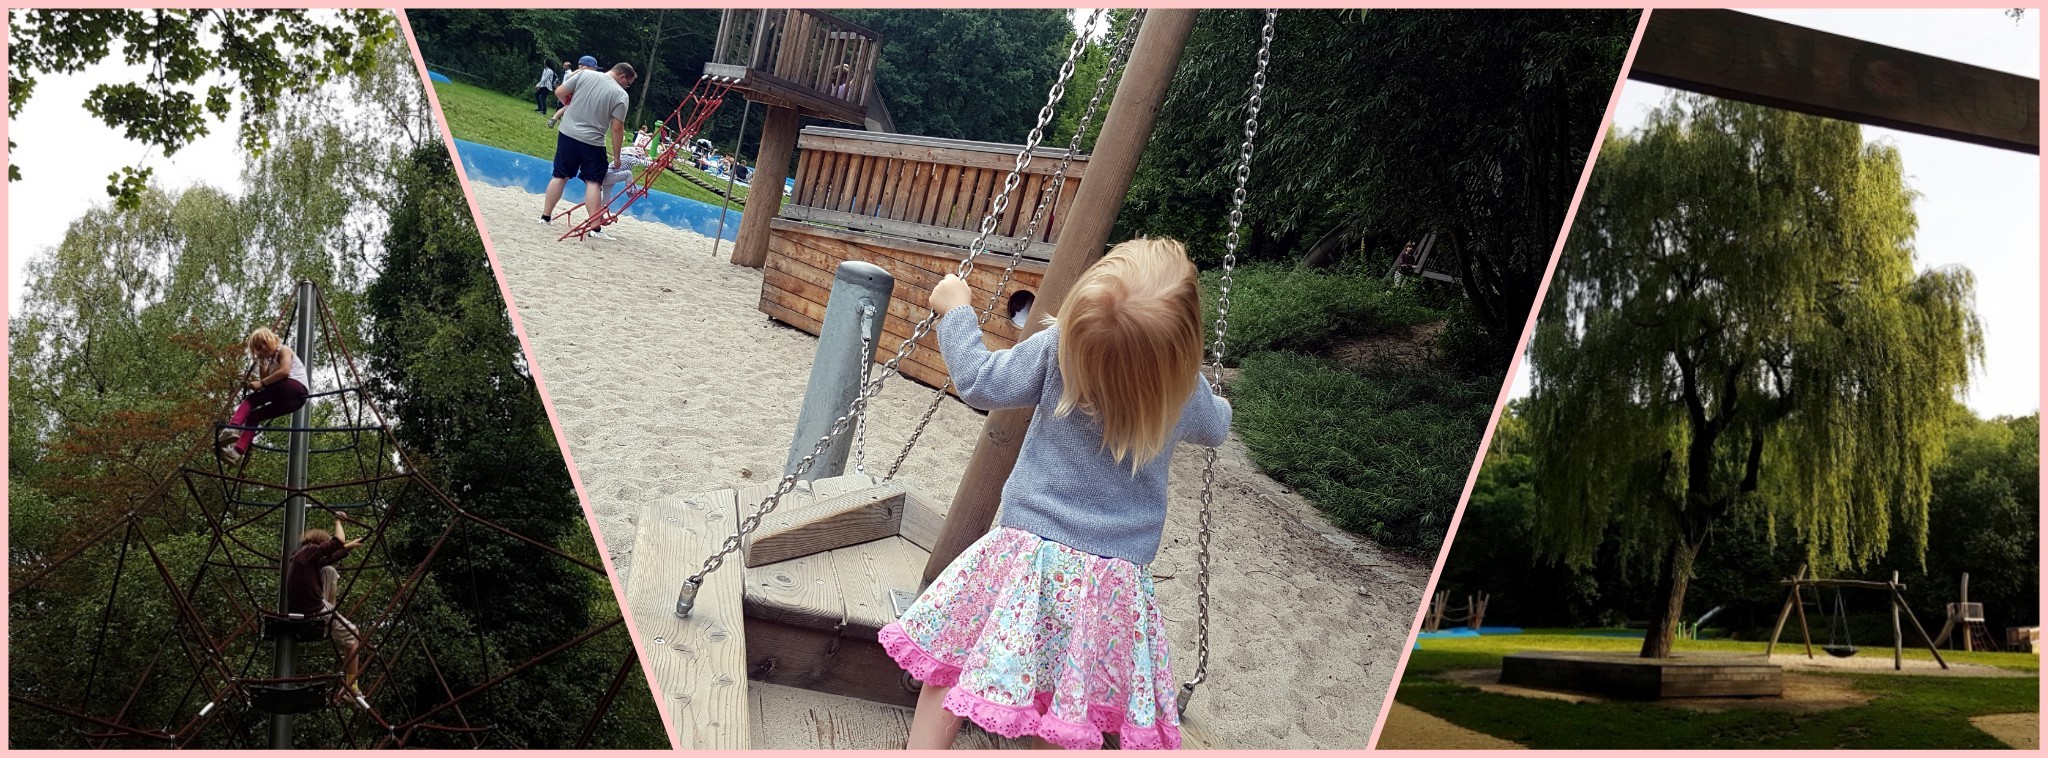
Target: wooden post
{"points": [[1899, 604], [1898, 638], [1785, 613], [1125, 130], [1963, 610], [764, 197]]}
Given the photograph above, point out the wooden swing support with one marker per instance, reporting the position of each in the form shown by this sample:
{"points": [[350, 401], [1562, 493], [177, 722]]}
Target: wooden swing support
{"points": [[1796, 586]]}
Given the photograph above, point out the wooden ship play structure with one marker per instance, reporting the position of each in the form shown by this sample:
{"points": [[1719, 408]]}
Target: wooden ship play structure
{"points": [[1744, 57], [229, 665], [788, 582]]}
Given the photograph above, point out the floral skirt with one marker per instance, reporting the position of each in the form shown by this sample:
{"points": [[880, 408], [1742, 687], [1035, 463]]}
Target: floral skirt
{"points": [[1037, 638]]}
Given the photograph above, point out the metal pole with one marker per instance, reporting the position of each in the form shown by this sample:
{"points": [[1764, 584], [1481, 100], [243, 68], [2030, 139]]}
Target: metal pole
{"points": [[858, 286], [1083, 237], [294, 504], [726, 202]]}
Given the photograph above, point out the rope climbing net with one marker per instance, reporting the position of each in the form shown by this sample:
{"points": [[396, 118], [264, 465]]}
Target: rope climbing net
{"points": [[684, 124], [175, 649]]}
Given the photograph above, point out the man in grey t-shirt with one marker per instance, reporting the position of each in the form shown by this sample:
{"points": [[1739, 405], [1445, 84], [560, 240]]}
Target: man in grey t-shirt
{"points": [[591, 106]]}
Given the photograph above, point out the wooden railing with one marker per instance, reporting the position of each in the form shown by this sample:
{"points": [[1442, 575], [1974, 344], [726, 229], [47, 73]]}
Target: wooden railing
{"points": [[824, 54], [929, 189]]}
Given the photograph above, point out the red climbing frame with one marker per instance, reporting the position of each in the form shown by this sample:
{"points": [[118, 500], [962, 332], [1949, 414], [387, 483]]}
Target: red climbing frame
{"points": [[684, 123]]}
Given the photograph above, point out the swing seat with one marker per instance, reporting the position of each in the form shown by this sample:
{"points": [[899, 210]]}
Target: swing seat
{"points": [[1840, 651], [289, 698]]}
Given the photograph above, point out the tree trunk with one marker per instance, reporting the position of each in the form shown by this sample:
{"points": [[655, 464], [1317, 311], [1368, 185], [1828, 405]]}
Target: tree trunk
{"points": [[647, 74], [1677, 576]]}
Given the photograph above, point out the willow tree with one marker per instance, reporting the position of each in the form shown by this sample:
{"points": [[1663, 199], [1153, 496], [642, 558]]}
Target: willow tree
{"points": [[1738, 329]]}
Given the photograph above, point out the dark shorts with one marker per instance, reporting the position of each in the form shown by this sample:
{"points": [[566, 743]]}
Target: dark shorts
{"points": [[574, 157]]}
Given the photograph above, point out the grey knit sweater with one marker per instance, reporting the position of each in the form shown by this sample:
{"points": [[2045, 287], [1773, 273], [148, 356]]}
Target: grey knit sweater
{"points": [[1066, 487]]}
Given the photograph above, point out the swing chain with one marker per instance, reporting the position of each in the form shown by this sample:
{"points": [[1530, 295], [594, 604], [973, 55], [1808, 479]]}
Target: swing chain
{"points": [[1052, 188], [686, 596], [867, 365], [1230, 247]]}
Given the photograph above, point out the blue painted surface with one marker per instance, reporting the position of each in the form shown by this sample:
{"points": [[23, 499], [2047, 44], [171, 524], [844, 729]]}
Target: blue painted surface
{"points": [[1463, 632], [436, 76], [504, 168]]}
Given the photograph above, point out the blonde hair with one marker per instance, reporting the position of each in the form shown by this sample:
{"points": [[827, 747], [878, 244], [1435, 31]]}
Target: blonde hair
{"points": [[263, 341], [1130, 346]]}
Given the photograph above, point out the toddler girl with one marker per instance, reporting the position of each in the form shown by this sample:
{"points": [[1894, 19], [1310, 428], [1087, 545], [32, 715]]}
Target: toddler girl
{"points": [[278, 389], [1047, 626]]}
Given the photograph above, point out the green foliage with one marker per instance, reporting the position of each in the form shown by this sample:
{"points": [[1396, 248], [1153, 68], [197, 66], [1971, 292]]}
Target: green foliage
{"points": [[1088, 71], [1385, 453], [1379, 126], [123, 353], [1905, 712], [967, 74], [260, 59], [1274, 308]]}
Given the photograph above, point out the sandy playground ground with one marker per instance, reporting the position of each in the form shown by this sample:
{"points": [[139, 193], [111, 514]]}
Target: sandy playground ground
{"points": [[667, 380]]}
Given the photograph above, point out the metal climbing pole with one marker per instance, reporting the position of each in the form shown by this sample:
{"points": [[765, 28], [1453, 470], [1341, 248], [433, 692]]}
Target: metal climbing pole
{"points": [[852, 326], [295, 501]]}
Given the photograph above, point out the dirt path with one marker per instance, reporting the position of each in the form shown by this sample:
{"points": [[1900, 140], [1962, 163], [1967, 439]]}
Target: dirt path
{"points": [[1408, 728], [2022, 731], [667, 380]]}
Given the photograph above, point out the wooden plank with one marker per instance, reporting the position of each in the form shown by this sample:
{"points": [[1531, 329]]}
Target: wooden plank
{"points": [[947, 214], [1050, 234], [788, 274], [866, 575], [849, 519], [922, 366], [862, 220], [1029, 270], [922, 519], [871, 187], [787, 718], [900, 208], [1743, 57], [762, 86], [990, 155], [929, 213], [806, 166], [797, 591], [912, 271], [698, 664]]}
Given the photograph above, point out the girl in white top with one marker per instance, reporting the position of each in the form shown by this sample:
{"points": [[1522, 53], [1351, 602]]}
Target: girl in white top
{"points": [[278, 389]]}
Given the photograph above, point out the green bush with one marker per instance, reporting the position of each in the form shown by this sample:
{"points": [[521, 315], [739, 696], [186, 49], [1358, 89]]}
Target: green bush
{"points": [[1466, 346], [1276, 308], [1384, 453]]}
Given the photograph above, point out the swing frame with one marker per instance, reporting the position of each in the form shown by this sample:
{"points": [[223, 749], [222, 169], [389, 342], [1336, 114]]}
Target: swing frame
{"points": [[1794, 602]]}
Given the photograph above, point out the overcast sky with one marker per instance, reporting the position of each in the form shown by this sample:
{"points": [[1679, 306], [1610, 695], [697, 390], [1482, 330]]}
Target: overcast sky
{"points": [[65, 155], [1979, 207]]}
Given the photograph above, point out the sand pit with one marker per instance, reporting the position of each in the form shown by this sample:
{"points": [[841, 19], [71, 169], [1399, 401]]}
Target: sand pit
{"points": [[1804, 693], [1409, 728], [665, 380], [1879, 661], [2021, 731]]}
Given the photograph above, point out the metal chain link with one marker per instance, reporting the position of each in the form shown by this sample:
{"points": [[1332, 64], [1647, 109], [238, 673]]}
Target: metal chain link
{"points": [[1230, 246], [867, 365], [686, 596], [1117, 54]]}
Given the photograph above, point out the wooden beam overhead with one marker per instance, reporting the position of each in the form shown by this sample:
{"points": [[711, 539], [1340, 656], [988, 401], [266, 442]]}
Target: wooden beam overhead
{"points": [[1743, 57]]}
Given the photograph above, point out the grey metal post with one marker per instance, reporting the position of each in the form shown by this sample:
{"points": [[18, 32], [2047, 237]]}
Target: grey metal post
{"points": [[295, 505], [836, 371]]}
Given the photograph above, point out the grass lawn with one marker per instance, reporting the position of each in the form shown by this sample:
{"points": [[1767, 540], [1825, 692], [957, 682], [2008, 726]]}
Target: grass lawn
{"points": [[508, 123], [1907, 712]]}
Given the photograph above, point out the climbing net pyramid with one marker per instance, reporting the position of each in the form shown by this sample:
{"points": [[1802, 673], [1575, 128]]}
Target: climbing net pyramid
{"points": [[180, 649]]}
